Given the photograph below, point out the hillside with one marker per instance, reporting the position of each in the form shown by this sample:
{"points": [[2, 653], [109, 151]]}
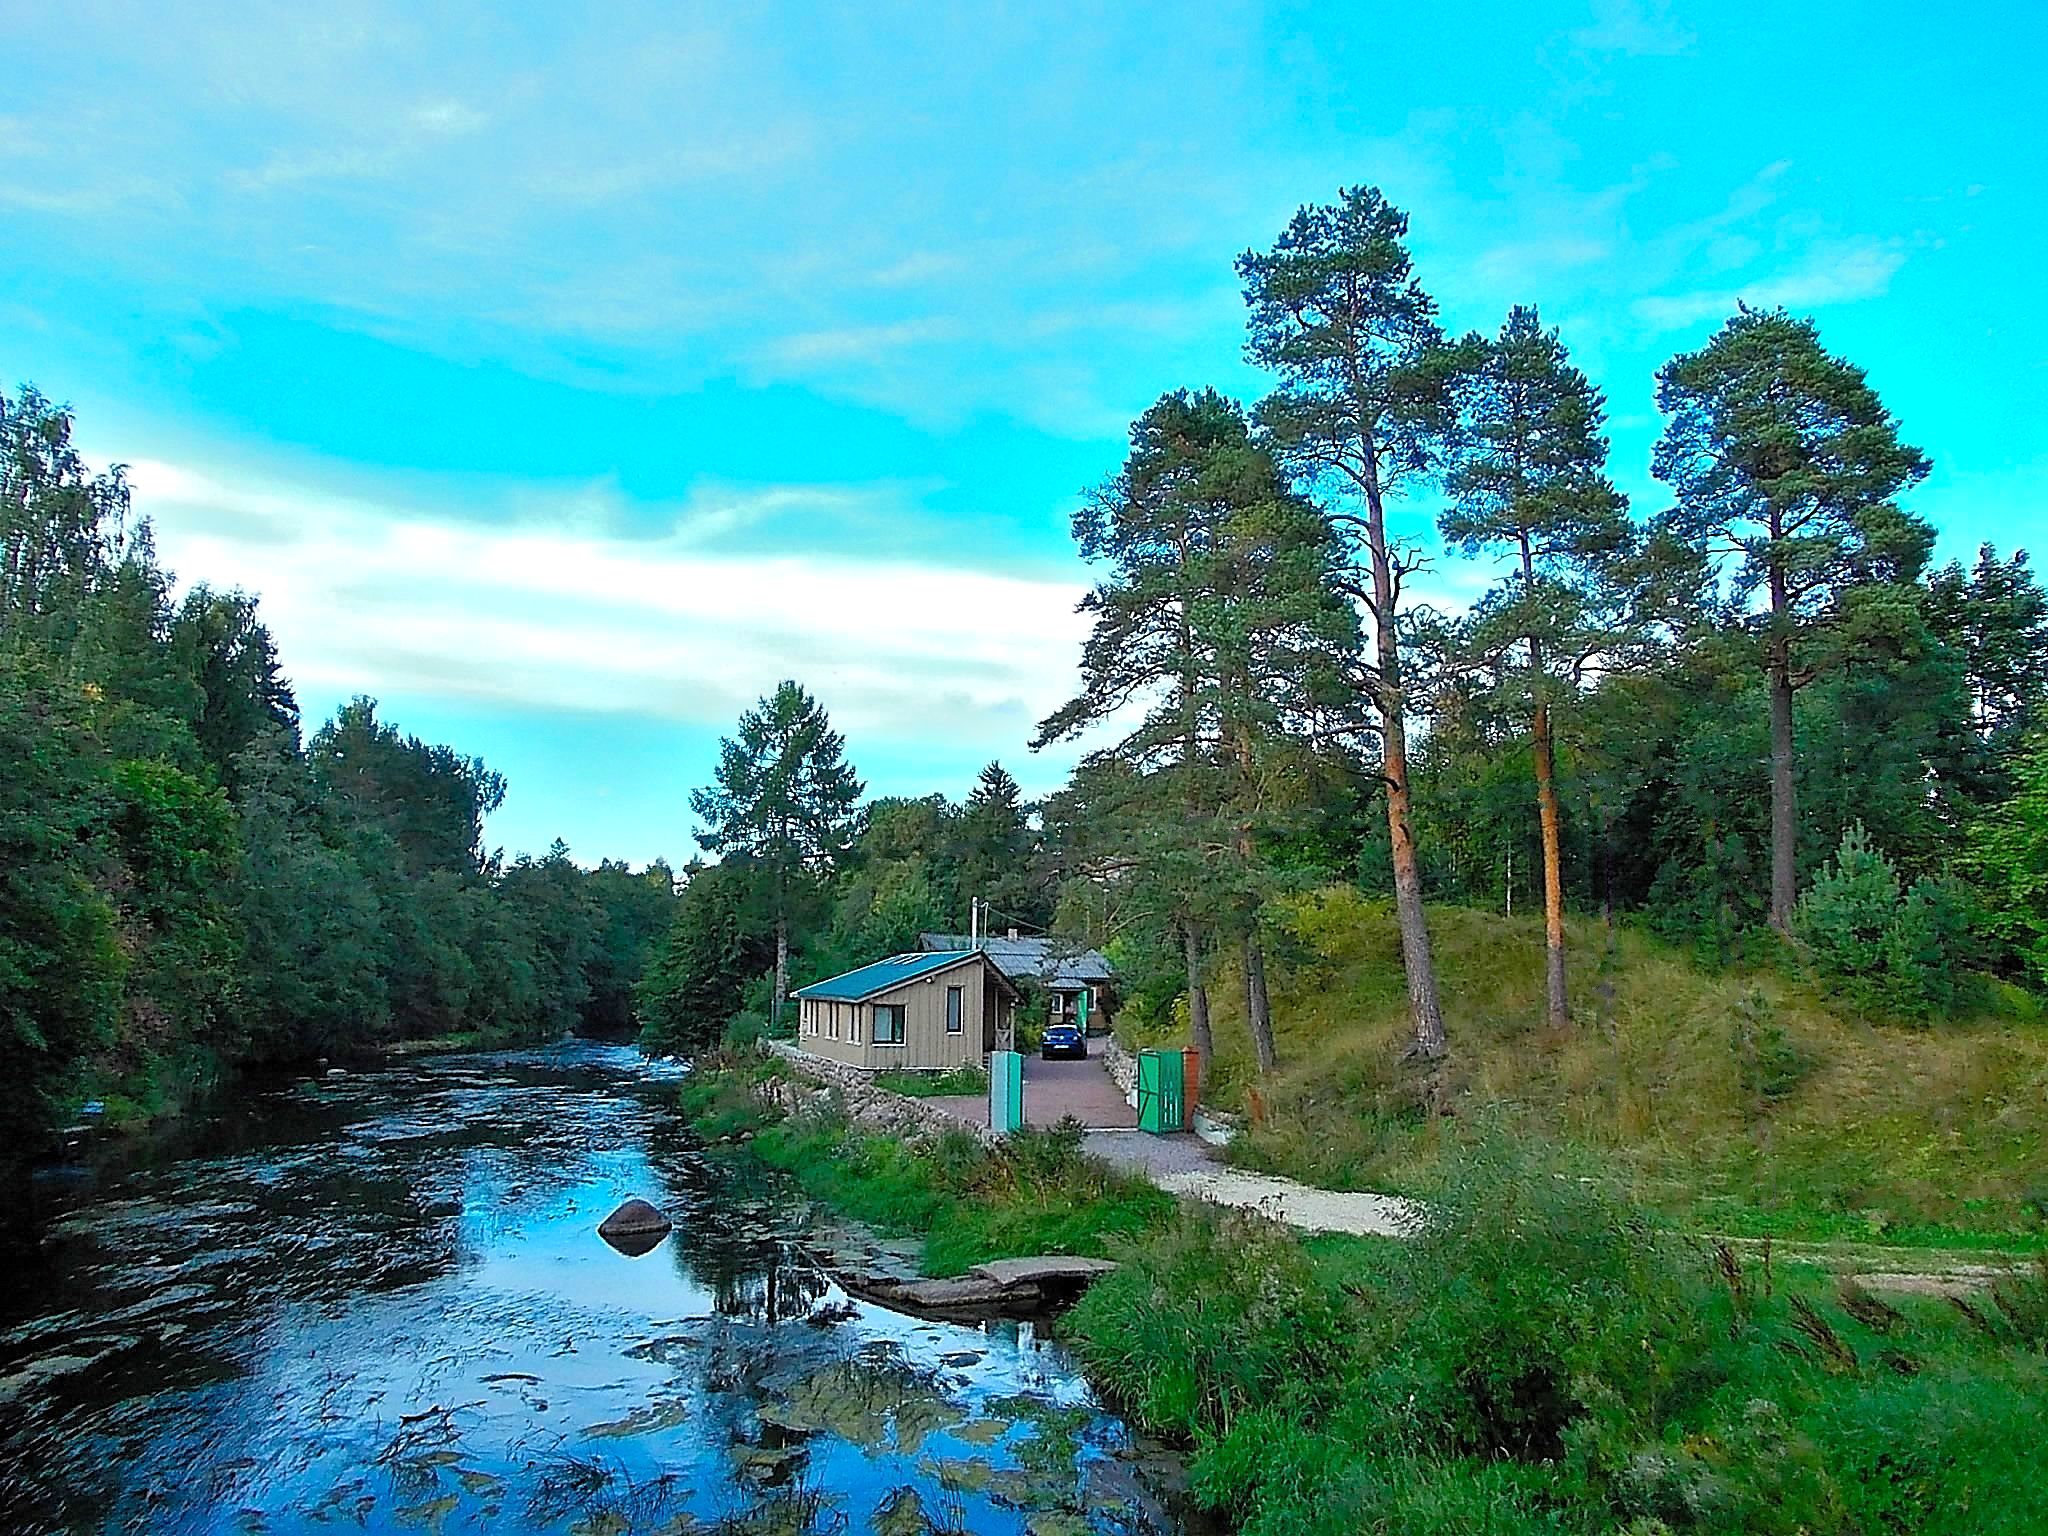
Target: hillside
{"points": [[1741, 1103]]}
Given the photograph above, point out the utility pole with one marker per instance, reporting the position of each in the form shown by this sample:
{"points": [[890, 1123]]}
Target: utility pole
{"points": [[974, 922]]}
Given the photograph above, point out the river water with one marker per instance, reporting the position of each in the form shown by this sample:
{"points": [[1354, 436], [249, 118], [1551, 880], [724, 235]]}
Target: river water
{"points": [[377, 1301]]}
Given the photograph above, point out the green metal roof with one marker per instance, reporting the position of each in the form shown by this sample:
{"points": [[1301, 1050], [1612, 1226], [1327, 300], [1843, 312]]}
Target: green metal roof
{"points": [[882, 975]]}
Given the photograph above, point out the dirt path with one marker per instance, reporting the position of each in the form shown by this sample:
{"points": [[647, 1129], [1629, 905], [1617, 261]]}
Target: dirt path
{"points": [[1186, 1166]]}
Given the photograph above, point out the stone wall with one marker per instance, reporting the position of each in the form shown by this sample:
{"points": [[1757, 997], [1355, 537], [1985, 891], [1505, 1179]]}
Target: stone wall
{"points": [[1122, 1065], [819, 1082]]}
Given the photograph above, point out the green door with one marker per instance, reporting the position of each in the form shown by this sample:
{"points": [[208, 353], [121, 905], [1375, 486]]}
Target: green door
{"points": [[1160, 1103]]}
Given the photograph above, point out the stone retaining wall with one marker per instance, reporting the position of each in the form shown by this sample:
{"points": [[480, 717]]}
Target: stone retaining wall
{"points": [[818, 1082], [1122, 1065]]}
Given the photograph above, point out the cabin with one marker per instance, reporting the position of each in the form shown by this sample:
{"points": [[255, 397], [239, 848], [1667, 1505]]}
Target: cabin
{"points": [[1064, 971], [919, 1012]]}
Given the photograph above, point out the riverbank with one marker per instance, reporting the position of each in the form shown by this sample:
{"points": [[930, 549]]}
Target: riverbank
{"points": [[968, 1201], [1543, 1357]]}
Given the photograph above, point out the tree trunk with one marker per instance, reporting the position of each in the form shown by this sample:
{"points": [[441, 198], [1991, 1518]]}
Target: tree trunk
{"points": [[781, 966], [1784, 813], [1198, 995], [1258, 1009], [1557, 1004], [1425, 1012]]}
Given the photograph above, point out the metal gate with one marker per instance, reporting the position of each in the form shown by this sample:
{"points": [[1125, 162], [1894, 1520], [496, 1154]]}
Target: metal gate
{"points": [[1161, 1091]]}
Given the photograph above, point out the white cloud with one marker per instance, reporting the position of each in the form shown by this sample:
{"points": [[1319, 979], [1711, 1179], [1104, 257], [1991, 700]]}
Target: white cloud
{"points": [[1831, 273], [1635, 27], [449, 117], [852, 344], [366, 595]]}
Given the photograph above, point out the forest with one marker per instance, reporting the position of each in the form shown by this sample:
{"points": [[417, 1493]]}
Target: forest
{"points": [[189, 885], [1761, 724]]}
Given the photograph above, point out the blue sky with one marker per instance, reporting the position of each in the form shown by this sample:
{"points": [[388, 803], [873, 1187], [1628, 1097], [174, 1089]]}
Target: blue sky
{"points": [[566, 381]]}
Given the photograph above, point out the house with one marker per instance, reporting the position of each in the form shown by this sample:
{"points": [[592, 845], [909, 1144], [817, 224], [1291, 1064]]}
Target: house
{"points": [[1060, 968], [917, 1012]]}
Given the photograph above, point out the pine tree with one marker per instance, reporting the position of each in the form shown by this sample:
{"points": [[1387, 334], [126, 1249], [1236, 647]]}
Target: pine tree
{"points": [[1786, 466], [1366, 402], [1530, 481], [785, 798], [1219, 611], [1996, 617]]}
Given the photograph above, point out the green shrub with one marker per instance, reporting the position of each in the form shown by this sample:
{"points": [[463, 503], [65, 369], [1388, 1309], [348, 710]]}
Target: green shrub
{"points": [[744, 1030], [1770, 1064], [1896, 950], [1219, 1316], [1536, 1308]]}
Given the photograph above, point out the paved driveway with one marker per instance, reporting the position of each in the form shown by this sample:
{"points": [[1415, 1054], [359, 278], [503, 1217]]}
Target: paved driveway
{"points": [[1054, 1090]]}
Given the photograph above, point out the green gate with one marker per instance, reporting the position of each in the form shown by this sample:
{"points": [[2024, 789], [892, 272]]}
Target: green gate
{"points": [[1161, 1098]]}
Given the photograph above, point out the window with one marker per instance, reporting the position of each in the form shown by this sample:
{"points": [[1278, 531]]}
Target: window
{"points": [[853, 1022], [888, 1023], [955, 1004]]}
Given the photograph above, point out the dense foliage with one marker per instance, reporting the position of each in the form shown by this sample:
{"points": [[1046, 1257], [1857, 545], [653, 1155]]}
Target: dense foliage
{"points": [[1545, 1358], [185, 886]]}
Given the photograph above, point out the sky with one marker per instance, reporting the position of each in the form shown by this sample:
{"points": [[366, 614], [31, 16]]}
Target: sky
{"points": [[564, 377]]}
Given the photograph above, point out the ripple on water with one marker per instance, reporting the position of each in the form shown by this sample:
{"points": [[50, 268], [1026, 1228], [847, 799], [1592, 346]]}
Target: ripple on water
{"points": [[386, 1307]]}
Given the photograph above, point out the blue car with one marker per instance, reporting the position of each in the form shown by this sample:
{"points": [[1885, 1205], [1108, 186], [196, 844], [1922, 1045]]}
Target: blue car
{"points": [[1063, 1040]]}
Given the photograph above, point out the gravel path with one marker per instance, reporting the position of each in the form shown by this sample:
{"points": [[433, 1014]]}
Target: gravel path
{"points": [[1184, 1165]]}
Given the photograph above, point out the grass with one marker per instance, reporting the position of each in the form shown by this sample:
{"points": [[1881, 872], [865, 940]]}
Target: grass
{"points": [[1549, 1358], [1546, 1358], [1032, 1193], [965, 1081], [1742, 1103]]}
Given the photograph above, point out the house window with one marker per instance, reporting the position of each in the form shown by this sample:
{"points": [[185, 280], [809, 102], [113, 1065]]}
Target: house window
{"points": [[853, 1022], [956, 1002], [888, 1023]]}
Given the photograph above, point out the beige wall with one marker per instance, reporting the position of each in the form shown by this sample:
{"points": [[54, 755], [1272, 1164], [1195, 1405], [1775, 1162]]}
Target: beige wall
{"points": [[845, 1031]]}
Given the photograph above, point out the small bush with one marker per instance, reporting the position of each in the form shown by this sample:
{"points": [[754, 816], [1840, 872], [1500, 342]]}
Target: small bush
{"points": [[744, 1030], [1770, 1064], [1538, 1309], [1894, 949]]}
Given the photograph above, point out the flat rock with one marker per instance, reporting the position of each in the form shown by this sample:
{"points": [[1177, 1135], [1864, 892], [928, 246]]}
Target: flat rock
{"points": [[1047, 1269]]}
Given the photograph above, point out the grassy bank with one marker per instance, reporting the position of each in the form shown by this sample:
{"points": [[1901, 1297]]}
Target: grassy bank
{"points": [[1547, 1359], [1740, 1103], [1034, 1193]]}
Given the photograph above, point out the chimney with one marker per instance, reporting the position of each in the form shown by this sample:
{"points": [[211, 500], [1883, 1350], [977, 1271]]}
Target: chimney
{"points": [[1013, 934]]}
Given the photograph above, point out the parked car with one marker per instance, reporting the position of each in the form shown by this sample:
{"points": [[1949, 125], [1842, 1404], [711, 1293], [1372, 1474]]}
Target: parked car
{"points": [[1062, 1040]]}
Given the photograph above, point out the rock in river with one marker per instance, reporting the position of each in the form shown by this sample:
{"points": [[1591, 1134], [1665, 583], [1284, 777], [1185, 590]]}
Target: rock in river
{"points": [[634, 1228]]}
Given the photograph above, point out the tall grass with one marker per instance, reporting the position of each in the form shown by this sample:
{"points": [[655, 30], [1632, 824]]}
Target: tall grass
{"points": [[1740, 1102], [1547, 1357]]}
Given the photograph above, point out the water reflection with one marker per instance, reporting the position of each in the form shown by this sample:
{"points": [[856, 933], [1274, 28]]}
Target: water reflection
{"points": [[378, 1301]]}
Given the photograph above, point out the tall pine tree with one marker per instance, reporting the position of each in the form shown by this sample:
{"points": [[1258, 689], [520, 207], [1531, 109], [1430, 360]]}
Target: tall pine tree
{"points": [[1366, 402], [785, 798], [1787, 468], [1219, 615], [1530, 482]]}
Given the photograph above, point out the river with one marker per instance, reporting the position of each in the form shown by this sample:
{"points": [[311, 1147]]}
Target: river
{"points": [[377, 1301]]}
